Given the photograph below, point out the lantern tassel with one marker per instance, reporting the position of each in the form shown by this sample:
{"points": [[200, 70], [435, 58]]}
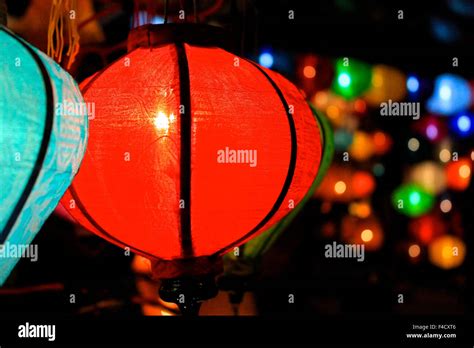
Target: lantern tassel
{"points": [[188, 293], [56, 28]]}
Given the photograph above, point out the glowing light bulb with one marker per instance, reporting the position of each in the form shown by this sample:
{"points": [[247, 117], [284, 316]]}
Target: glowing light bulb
{"points": [[413, 144], [340, 187], [414, 250], [367, 235], [445, 205], [162, 122], [432, 131], [444, 155], [464, 171], [445, 93], [414, 198], [464, 123], [344, 80], [309, 72], [452, 94]]}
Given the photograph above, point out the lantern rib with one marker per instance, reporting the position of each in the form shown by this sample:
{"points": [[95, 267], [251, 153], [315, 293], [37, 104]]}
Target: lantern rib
{"points": [[76, 197], [185, 157], [94, 223], [291, 167], [48, 128]]}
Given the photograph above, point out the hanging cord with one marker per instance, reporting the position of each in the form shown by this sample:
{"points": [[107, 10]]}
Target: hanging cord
{"points": [[59, 9]]}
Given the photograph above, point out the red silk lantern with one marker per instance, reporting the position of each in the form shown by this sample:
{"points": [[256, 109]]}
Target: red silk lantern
{"points": [[192, 151]]}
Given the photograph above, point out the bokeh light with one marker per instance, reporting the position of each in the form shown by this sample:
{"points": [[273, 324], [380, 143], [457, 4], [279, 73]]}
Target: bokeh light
{"points": [[266, 59]]}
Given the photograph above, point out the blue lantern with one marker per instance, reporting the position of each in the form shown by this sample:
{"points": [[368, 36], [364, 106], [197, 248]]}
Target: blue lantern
{"points": [[43, 134], [452, 94]]}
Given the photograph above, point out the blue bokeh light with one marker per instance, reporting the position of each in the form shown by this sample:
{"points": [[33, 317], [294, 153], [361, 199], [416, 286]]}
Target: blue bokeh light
{"points": [[413, 85], [463, 124], [266, 59]]}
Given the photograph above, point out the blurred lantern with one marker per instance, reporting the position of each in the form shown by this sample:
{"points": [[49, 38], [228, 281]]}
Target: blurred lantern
{"points": [[378, 169], [431, 127], [43, 136], [342, 139], [336, 108], [352, 78], [344, 184], [447, 252], [425, 228], [444, 30], [387, 83], [418, 88], [412, 200], [360, 209], [314, 73], [458, 174], [366, 231], [414, 251], [451, 95], [170, 174], [461, 7], [428, 175], [445, 205], [382, 142], [362, 183], [362, 147], [340, 112], [360, 106], [241, 265], [463, 124]]}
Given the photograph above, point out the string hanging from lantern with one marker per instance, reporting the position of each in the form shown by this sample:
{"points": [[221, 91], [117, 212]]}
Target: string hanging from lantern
{"points": [[56, 31]]}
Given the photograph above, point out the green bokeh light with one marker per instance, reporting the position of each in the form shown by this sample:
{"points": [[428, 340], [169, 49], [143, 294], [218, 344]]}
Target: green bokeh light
{"points": [[352, 78], [412, 200]]}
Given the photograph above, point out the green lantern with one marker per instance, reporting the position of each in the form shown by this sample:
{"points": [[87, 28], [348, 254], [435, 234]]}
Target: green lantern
{"points": [[412, 200], [352, 78], [240, 267]]}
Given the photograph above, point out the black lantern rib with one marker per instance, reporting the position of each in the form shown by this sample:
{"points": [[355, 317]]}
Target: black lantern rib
{"points": [[185, 159], [291, 166]]}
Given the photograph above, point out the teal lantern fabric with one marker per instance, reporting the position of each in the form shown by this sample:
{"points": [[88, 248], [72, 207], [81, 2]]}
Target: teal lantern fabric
{"points": [[43, 135]]}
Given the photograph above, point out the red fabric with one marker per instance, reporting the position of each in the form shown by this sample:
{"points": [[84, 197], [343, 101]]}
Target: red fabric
{"points": [[137, 201]]}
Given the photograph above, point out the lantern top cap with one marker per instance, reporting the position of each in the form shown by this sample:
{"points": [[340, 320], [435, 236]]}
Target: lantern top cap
{"points": [[155, 35]]}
